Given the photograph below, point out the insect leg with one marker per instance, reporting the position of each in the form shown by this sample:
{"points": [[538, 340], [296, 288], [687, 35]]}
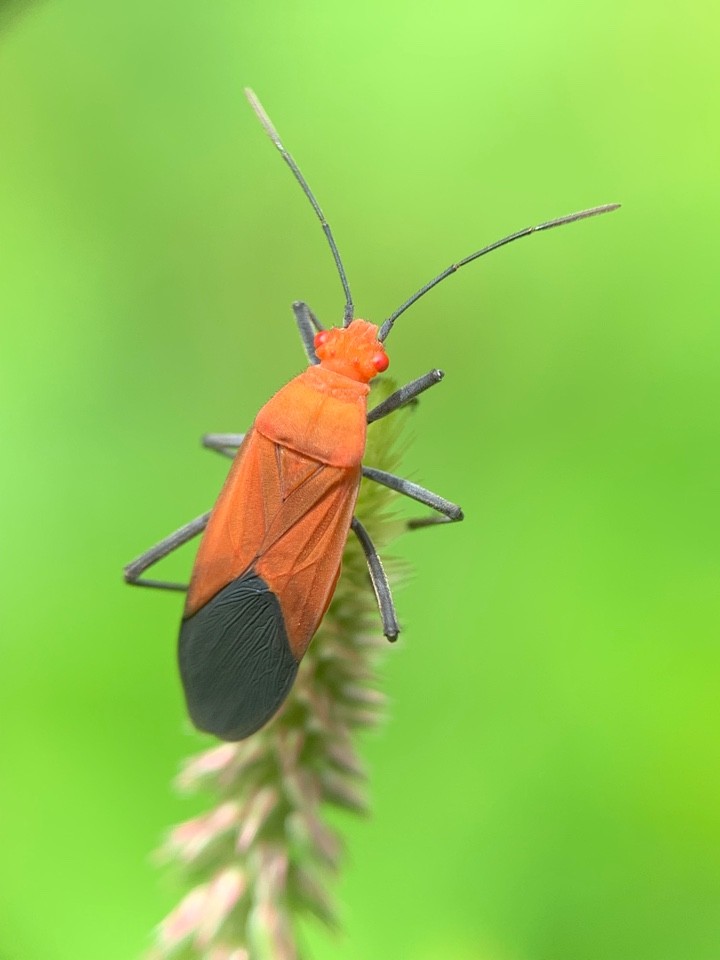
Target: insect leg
{"points": [[379, 581], [224, 443], [449, 512], [133, 570], [404, 395], [308, 325]]}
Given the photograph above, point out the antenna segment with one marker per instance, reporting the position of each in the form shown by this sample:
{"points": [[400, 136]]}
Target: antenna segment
{"points": [[275, 137], [560, 221]]}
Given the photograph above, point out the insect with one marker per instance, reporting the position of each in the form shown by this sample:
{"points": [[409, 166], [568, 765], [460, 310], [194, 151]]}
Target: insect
{"points": [[269, 559]]}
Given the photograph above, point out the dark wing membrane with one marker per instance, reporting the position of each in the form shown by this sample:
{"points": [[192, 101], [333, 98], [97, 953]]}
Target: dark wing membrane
{"points": [[235, 660]]}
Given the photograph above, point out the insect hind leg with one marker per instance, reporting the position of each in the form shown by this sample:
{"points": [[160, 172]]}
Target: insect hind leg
{"points": [[166, 546], [379, 580]]}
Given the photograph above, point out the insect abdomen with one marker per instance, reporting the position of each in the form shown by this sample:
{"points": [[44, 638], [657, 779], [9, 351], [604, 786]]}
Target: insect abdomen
{"points": [[235, 661]]}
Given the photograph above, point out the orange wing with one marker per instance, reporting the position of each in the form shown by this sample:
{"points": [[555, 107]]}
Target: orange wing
{"points": [[285, 516]]}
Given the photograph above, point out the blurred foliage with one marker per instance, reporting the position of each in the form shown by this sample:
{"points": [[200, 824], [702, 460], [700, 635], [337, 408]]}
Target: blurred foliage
{"points": [[547, 787]]}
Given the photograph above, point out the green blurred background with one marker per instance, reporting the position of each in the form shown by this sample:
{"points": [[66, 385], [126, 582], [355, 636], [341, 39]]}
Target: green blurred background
{"points": [[547, 787]]}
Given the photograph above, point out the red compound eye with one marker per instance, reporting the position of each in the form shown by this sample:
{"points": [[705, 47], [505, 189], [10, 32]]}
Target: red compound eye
{"points": [[321, 337], [381, 362]]}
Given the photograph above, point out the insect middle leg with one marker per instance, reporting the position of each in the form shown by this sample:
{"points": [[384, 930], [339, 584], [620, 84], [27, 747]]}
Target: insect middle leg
{"points": [[449, 512], [223, 443], [133, 570]]}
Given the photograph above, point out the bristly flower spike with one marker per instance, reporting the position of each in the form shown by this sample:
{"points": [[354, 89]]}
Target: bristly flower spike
{"points": [[261, 858]]}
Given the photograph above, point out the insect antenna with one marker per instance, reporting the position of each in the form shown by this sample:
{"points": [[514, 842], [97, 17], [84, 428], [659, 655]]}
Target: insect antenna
{"points": [[275, 137], [569, 218]]}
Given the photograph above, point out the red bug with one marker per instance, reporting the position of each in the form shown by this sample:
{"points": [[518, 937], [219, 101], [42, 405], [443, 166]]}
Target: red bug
{"points": [[270, 556]]}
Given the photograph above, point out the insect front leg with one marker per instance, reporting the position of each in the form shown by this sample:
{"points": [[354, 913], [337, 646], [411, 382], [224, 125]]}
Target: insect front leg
{"points": [[308, 325], [379, 580], [406, 394], [224, 443], [133, 570], [449, 512]]}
